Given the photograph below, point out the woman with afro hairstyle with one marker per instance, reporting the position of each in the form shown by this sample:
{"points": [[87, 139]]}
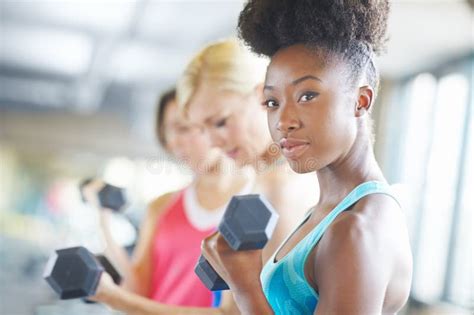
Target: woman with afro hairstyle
{"points": [[351, 253]]}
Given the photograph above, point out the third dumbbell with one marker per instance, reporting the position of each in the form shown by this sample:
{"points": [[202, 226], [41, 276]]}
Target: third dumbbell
{"points": [[75, 272], [110, 196]]}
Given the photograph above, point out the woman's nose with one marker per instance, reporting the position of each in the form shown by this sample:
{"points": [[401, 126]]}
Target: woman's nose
{"points": [[217, 140], [288, 119]]}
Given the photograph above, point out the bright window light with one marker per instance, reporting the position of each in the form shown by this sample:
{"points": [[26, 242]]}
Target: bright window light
{"points": [[440, 190], [159, 175], [95, 15], [58, 51], [132, 61], [462, 282], [417, 138], [120, 172]]}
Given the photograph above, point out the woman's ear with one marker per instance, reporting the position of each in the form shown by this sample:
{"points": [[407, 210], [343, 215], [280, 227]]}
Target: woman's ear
{"points": [[364, 101]]}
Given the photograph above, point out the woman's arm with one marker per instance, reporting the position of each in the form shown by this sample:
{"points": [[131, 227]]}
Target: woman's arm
{"points": [[133, 304], [252, 301], [113, 251], [131, 297], [135, 272], [241, 271], [352, 268]]}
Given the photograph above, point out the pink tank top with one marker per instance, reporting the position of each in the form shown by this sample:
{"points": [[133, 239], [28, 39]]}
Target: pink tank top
{"points": [[176, 249]]}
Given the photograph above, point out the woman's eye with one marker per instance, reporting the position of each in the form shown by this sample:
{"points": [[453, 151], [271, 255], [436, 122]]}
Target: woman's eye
{"points": [[270, 104], [308, 96], [221, 123]]}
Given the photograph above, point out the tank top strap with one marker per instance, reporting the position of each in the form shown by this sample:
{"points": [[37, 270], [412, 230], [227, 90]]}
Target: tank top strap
{"points": [[361, 191], [284, 281]]}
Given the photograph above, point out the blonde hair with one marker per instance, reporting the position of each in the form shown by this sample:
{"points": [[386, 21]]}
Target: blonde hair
{"points": [[227, 65]]}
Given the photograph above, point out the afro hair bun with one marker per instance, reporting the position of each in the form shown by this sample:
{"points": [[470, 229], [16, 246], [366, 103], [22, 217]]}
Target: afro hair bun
{"points": [[268, 25]]}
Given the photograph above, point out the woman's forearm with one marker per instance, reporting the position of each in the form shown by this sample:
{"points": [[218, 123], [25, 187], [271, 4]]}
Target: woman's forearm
{"points": [[252, 300], [118, 254], [133, 304]]}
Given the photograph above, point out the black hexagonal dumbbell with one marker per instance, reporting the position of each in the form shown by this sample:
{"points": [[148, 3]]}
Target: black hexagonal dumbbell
{"points": [[75, 272], [110, 196], [248, 224]]}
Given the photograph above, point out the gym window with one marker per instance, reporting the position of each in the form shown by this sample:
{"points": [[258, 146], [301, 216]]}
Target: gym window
{"points": [[430, 149]]}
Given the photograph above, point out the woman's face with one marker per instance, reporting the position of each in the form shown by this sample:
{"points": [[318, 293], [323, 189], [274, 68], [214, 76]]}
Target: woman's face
{"points": [[187, 142], [311, 107], [236, 123]]}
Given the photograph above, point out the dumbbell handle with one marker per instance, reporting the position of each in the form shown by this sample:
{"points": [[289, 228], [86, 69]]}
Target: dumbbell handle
{"points": [[205, 271], [109, 268], [209, 277]]}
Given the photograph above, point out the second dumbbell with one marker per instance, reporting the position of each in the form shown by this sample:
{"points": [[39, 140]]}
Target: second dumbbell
{"points": [[248, 223]]}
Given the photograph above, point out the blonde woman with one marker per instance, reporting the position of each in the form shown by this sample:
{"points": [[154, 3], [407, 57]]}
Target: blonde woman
{"points": [[160, 278]]}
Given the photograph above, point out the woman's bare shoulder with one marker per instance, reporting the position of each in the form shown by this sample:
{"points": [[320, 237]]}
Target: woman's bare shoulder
{"points": [[159, 204], [376, 219]]}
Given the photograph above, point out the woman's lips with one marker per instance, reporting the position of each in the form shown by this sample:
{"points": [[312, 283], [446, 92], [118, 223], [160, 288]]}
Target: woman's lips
{"points": [[233, 153], [293, 148]]}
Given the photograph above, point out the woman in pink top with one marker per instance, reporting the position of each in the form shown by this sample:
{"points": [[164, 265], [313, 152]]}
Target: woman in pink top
{"points": [[160, 278]]}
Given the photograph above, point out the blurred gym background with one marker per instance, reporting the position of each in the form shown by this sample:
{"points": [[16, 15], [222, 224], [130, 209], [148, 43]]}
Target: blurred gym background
{"points": [[78, 84]]}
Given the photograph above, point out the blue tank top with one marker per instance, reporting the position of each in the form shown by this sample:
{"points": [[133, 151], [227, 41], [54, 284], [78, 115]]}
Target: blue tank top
{"points": [[284, 282]]}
